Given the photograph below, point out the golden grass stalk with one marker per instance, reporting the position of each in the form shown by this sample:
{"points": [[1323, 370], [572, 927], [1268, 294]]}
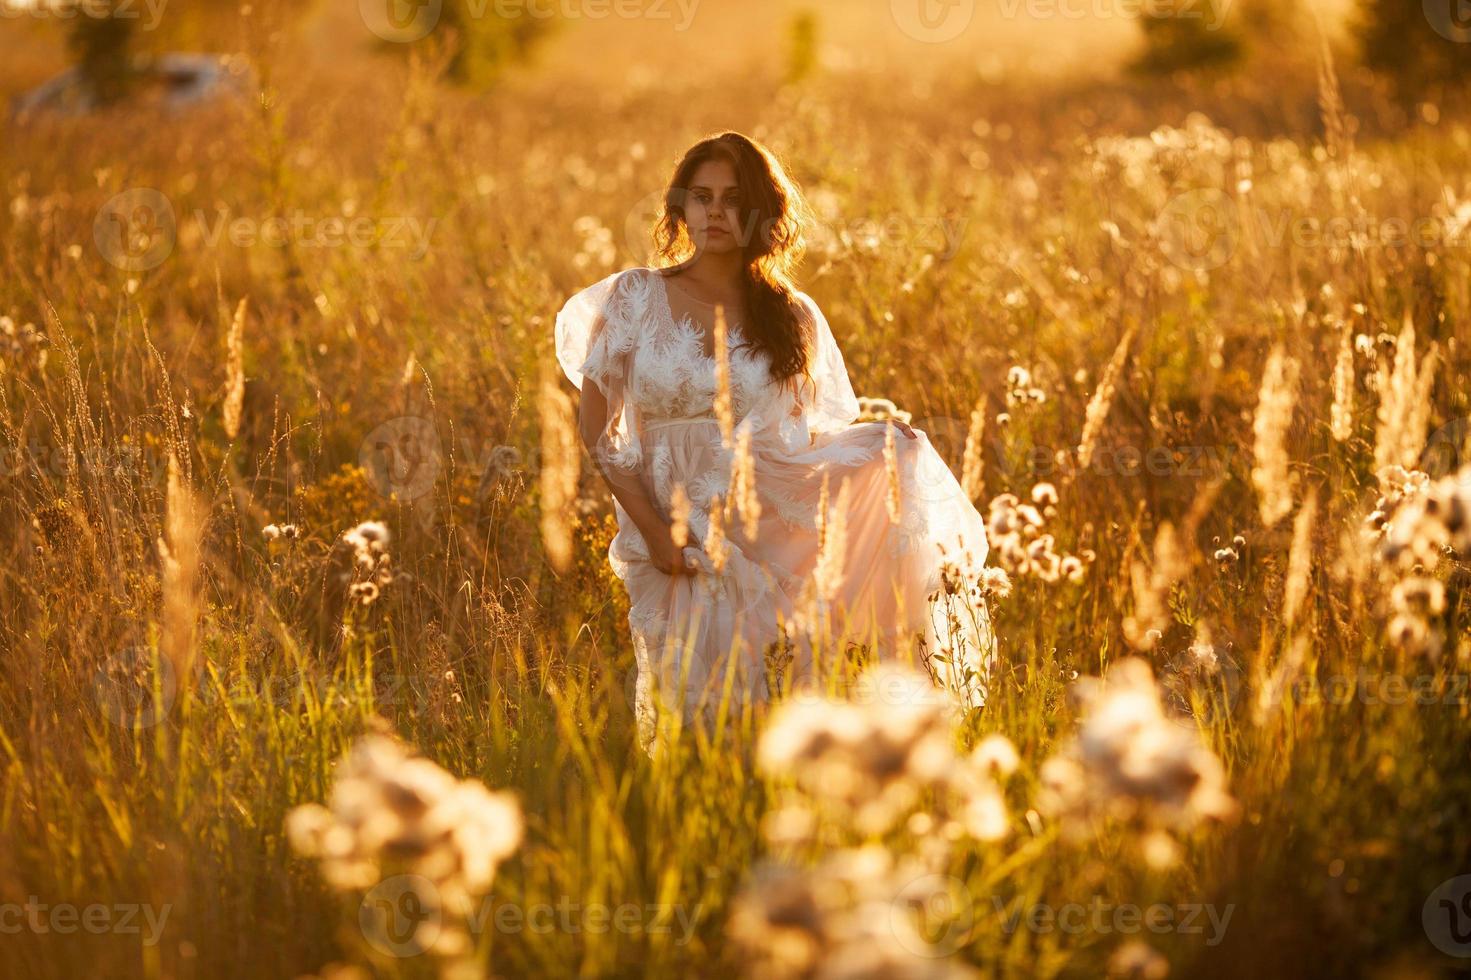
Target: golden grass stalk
{"points": [[722, 403], [178, 550], [715, 545], [1102, 401], [679, 516], [743, 485], [1330, 101], [561, 463], [972, 472], [235, 371], [1341, 418], [832, 556], [1151, 585], [891, 468], [1271, 473], [1300, 560], [1404, 404]]}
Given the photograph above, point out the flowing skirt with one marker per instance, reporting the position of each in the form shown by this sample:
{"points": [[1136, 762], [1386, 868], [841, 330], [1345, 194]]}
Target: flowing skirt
{"points": [[855, 550]]}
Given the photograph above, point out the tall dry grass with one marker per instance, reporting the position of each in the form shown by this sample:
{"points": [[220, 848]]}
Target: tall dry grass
{"points": [[177, 682]]}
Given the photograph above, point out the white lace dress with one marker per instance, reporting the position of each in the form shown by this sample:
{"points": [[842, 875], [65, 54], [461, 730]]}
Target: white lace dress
{"points": [[781, 594]]}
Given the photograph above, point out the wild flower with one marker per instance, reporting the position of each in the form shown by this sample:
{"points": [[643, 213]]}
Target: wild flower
{"points": [[1418, 526], [1129, 761], [393, 813], [274, 532], [882, 760], [1021, 546], [859, 913], [995, 581], [1427, 520], [18, 343], [1020, 389], [869, 760], [369, 563], [1137, 960], [881, 409], [597, 251]]}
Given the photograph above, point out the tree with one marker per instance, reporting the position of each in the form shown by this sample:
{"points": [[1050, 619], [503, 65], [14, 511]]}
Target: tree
{"points": [[102, 47], [1422, 48], [1182, 37]]}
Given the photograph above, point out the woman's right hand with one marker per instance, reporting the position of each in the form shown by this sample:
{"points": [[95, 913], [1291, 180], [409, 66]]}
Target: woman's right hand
{"points": [[665, 556]]}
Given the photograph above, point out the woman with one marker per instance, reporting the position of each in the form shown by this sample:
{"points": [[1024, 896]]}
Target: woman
{"points": [[757, 525]]}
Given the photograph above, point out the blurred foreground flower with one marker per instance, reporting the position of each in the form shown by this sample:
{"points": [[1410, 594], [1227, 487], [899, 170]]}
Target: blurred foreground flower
{"points": [[1131, 762], [869, 761], [393, 816], [861, 913], [878, 409], [1419, 525], [882, 762]]}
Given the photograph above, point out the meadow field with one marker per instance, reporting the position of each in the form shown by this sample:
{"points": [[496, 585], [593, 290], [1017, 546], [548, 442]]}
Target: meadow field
{"points": [[313, 661]]}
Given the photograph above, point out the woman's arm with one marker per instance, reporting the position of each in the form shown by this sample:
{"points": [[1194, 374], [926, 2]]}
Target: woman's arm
{"points": [[626, 487]]}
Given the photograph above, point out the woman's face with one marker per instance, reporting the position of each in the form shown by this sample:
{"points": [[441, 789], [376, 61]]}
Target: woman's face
{"points": [[712, 208]]}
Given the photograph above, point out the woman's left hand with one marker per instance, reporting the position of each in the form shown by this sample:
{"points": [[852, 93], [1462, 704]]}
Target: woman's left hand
{"points": [[903, 427]]}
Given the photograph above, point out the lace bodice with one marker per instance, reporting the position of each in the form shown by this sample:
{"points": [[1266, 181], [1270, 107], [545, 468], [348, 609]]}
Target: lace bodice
{"points": [[651, 367], [673, 377]]}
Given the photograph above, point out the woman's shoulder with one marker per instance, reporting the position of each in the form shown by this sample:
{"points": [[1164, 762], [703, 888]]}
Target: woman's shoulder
{"points": [[617, 283]]}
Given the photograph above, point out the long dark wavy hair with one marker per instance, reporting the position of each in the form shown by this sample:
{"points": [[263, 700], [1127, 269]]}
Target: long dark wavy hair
{"points": [[772, 234]]}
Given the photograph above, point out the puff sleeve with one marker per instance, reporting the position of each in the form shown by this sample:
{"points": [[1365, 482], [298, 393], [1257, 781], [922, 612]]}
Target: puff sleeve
{"points": [[828, 404], [596, 331]]}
